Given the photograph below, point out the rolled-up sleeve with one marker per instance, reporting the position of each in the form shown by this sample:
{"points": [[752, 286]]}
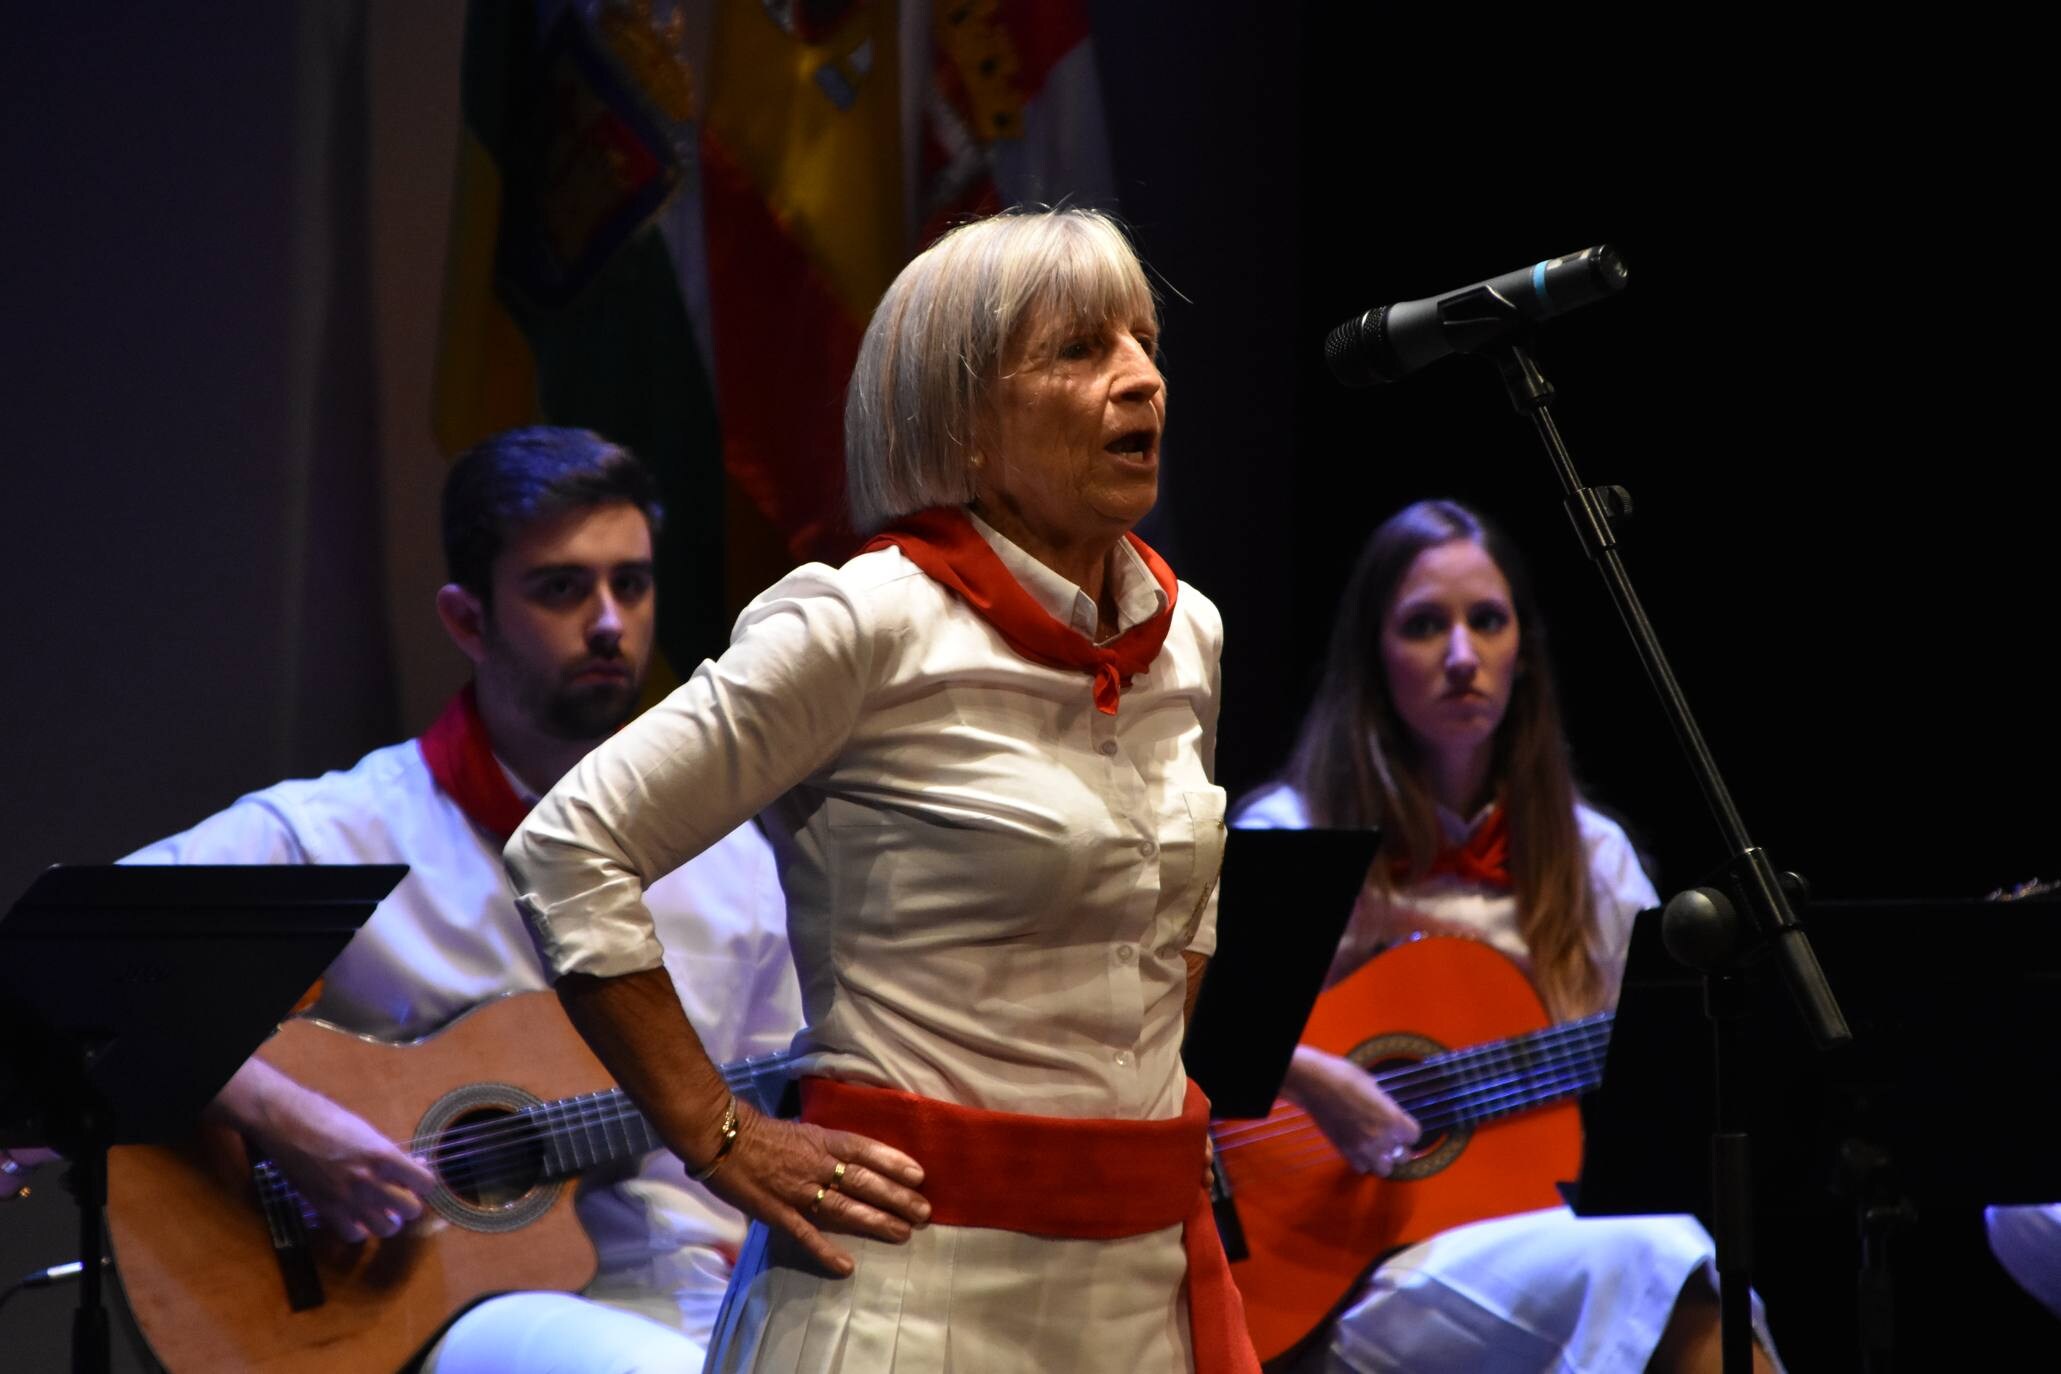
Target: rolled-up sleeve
{"points": [[777, 706]]}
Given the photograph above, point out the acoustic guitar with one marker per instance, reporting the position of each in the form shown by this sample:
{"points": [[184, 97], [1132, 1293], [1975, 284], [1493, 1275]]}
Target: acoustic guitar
{"points": [[1500, 1129], [227, 1269]]}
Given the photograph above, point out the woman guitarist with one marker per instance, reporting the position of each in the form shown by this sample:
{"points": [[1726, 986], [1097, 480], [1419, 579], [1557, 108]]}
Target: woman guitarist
{"points": [[1435, 719]]}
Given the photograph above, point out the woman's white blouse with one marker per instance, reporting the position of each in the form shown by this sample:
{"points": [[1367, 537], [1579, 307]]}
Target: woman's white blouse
{"points": [[990, 884]]}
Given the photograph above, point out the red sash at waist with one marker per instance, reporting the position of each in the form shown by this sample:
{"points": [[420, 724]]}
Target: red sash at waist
{"points": [[1071, 1178]]}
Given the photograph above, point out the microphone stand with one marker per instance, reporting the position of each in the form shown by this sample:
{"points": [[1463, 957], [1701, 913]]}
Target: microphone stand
{"points": [[1703, 926]]}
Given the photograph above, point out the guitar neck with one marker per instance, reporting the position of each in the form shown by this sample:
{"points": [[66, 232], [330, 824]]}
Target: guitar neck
{"points": [[594, 1129], [586, 1132], [1501, 1077], [548, 1140]]}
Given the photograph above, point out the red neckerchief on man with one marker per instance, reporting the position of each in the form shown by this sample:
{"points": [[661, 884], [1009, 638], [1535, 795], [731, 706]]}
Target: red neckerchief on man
{"points": [[943, 542], [1483, 857], [461, 759]]}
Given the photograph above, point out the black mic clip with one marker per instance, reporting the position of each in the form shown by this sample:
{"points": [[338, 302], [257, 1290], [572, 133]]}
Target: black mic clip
{"points": [[1526, 386], [1479, 318]]}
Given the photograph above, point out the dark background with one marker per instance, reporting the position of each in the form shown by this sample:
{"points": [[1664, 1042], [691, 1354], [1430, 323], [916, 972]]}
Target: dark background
{"points": [[1825, 387]]}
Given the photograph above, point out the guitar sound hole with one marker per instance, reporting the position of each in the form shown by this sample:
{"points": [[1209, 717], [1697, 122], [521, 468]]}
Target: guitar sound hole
{"points": [[1431, 1139], [490, 1158]]}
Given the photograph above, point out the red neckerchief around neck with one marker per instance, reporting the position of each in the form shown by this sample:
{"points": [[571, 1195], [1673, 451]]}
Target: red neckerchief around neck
{"points": [[461, 759], [1484, 857], [943, 542]]}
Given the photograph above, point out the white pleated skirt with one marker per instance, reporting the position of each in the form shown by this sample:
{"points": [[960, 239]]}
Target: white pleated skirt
{"points": [[960, 1299]]}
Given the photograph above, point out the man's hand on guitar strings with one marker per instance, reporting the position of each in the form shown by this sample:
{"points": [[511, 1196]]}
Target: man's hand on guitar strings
{"points": [[358, 1182]]}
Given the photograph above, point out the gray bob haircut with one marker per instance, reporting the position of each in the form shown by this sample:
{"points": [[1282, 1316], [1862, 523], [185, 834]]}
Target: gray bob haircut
{"points": [[938, 339]]}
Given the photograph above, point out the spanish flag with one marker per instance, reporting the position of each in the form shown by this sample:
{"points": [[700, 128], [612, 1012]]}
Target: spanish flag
{"points": [[673, 222], [823, 172], [562, 299]]}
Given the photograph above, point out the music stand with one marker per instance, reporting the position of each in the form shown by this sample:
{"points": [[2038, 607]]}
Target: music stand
{"points": [[1281, 911], [1926, 1117], [129, 994]]}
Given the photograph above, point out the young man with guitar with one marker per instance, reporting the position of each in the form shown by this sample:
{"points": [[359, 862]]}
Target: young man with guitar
{"points": [[548, 536]]}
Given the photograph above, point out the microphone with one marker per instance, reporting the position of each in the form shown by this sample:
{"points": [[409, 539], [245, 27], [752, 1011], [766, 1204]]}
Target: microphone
{"points": [[1390, 342]]}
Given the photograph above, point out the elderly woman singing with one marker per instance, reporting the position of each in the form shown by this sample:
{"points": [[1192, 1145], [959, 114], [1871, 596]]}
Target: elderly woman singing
{"points": [[983, 748]]}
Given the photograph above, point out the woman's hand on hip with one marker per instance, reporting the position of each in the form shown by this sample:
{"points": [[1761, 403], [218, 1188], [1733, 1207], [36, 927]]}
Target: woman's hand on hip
{"points": [[801, 1180], [807, 1182]]}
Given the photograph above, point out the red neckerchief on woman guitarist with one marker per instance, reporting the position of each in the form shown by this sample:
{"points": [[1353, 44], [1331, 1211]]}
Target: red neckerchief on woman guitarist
{"points": [[1483, 857]]}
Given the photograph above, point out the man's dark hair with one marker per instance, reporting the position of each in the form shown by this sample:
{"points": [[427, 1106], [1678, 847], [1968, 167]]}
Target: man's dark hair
{"points": [[520, 476]]}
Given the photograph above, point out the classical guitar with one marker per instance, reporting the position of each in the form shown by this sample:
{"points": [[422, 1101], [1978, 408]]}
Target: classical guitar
{"points": [[1500, 1129], [226, 1269]]}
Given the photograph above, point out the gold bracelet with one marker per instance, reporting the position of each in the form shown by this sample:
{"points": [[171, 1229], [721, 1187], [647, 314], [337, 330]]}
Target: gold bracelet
{"points": [[729, 1141]]}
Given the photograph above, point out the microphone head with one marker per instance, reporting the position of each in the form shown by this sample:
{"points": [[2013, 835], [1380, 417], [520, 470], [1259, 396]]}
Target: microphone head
{"points": [[1606, 271], [1357, 351]]}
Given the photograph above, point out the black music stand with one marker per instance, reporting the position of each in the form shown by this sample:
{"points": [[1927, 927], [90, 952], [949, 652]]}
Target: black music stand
{"points": [[130, 994], [1285, 899], [1887, 1148]]}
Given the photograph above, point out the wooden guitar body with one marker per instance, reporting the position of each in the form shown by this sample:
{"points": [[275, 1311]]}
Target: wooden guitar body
{"points": [[1313, 1225], [194, 1248]]}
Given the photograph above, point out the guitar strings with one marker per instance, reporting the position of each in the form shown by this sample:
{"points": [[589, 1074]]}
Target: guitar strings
{"points": [[594, 1109], [491, 1141], [1442, 1067], [1554, 1044], [1316, 1149], [588, 1111], [1572, 1066], [1294, 1127], [1469, 1091], [1479, 1102], [572, 1122], [511, 1149], [1516, 1049], [1312, 1148]]}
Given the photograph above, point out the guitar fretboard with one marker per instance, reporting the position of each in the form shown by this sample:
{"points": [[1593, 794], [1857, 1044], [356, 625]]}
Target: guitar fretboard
{"points": [[549, 1140], [1501, 1077], [586, 1132], [582, 1133]]}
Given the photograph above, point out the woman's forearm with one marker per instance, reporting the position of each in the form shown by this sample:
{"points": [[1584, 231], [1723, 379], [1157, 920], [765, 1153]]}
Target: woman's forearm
{"points": [[636, 1027], [797, 1178]]}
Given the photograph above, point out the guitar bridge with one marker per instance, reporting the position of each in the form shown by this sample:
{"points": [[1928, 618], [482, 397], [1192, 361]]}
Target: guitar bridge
{"points": [[287, 1221]]}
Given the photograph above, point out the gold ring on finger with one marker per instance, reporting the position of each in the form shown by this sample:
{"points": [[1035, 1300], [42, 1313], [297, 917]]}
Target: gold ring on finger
{"points": [[821, 1193], [837, 1175]]}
